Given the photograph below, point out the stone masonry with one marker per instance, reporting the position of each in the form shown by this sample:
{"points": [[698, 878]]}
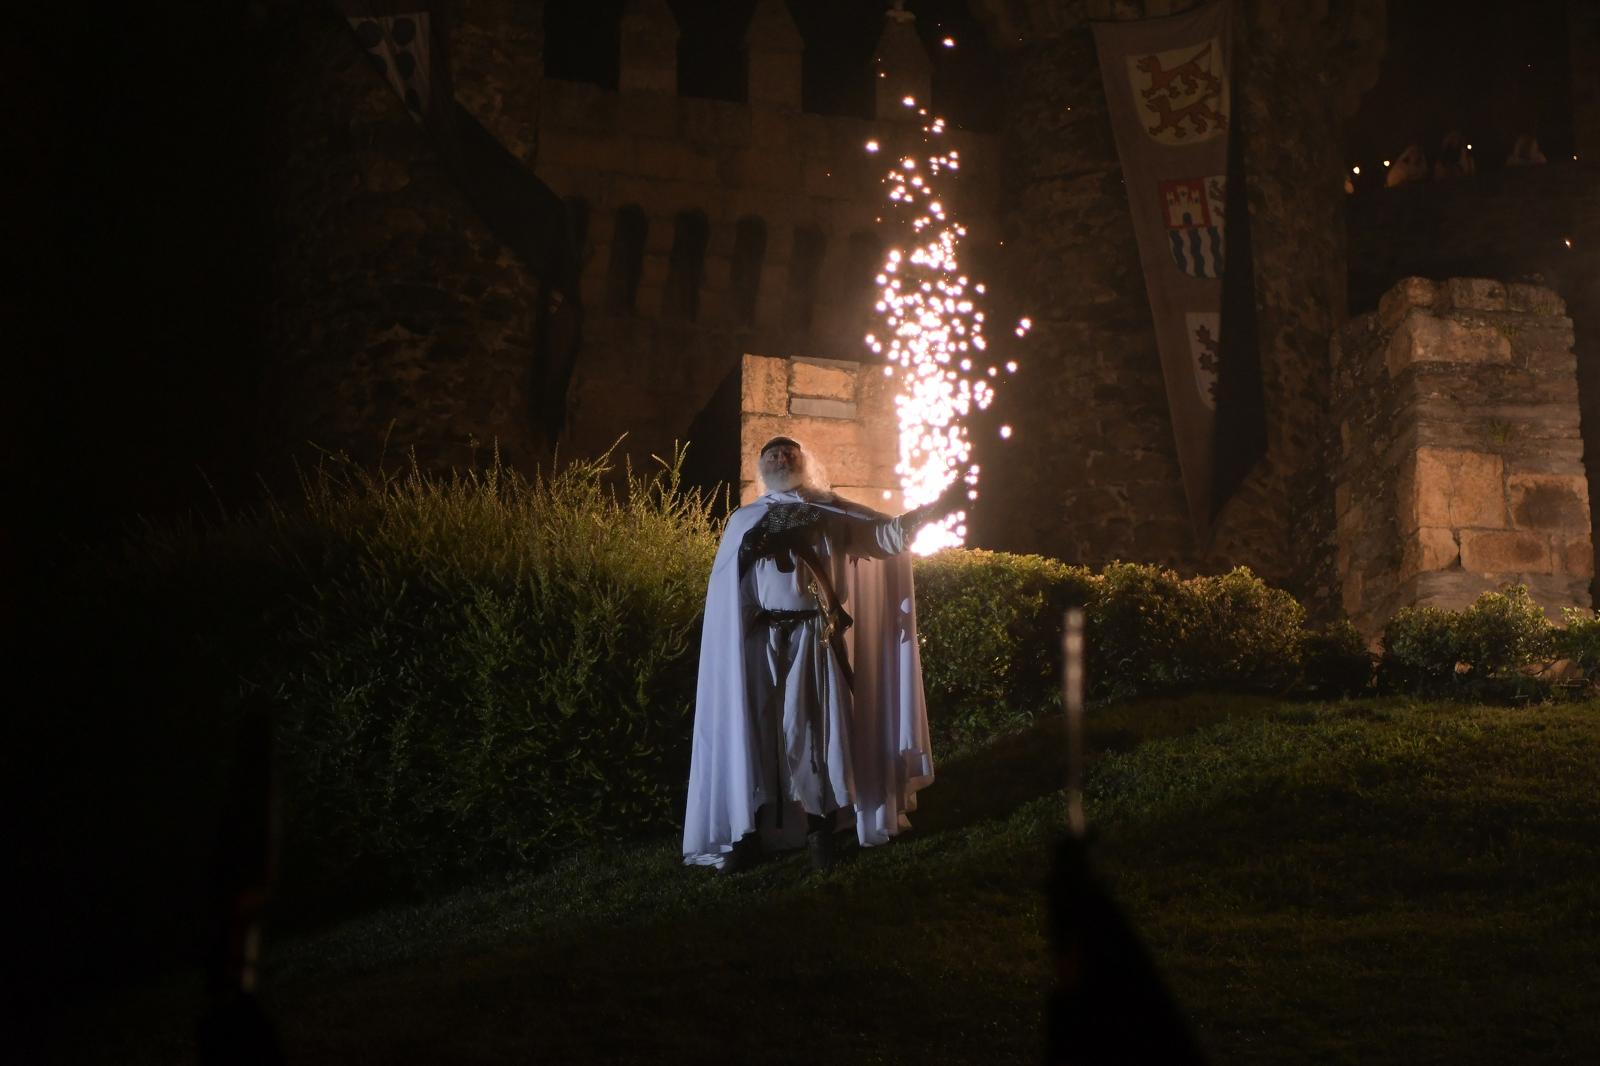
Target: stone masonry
{"points": [[1461, 464], [804, 182], [1089, 408], [843, 412]]}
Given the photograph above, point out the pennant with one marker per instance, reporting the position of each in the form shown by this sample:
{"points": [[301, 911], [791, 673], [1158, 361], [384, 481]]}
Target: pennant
{"points": [[400, 39], [1167, 88]]}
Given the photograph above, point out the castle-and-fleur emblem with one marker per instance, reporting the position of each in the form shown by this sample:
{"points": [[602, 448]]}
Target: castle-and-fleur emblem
{"points": [[1193, 210]]}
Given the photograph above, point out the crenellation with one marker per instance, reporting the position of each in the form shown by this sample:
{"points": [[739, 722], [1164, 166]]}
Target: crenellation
{"points": [[903, 67], [773, 50], [649, 61]]}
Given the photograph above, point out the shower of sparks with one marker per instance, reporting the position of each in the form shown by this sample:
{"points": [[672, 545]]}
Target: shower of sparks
{"points": [[932, 333]]}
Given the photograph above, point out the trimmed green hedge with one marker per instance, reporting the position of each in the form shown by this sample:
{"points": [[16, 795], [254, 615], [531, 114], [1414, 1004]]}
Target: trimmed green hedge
{"points": [[990, 625], [1501, 647], [474, 672], [991, 634], [495, 668], [469, 672]]}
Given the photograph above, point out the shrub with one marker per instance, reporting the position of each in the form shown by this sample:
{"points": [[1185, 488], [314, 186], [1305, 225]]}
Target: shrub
{"points": [[1480, 651], [469, 671], [1579, 638], [1140, 622], [486, 669], [990, 624], [1151, 631], [1246, 634], [991, 630], [1335, 661]]}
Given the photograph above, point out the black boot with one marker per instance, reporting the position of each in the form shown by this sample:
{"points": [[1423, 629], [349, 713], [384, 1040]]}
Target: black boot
{"points": [[821, 842], [746, 854]]}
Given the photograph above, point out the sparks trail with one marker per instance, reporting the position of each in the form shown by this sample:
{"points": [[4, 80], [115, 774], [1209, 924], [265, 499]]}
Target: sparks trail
{"points": [[932, 333]]}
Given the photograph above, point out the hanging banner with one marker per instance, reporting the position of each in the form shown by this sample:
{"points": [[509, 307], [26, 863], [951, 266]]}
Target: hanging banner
{"points": [[402, 39], [1167, 87]]}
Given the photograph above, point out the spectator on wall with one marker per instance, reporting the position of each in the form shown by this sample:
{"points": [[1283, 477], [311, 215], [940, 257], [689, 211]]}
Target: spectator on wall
{"points": [[1525, 153], [1455, 158], [1411, 166]]}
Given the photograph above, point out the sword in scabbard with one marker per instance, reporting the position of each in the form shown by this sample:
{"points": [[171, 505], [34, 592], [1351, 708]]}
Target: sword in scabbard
{"points": [[835, 619]]}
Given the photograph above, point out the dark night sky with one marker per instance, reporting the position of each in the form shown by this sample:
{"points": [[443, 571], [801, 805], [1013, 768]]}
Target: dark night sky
{"points": [[1490, 70]]}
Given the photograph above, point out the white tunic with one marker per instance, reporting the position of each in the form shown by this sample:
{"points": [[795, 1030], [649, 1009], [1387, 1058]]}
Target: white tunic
{"points": [[774, 715]]}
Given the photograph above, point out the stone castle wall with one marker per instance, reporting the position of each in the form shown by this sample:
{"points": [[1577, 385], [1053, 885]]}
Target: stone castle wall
{"points": [[800, 188], [841, 411], [399, 321], [1090, 409], [1538, 224], [1460, 462]]}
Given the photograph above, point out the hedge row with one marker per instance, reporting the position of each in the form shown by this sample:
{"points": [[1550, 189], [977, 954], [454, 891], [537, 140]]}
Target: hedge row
{"points": [[1501, 647], [471, 673], [991, 627]]}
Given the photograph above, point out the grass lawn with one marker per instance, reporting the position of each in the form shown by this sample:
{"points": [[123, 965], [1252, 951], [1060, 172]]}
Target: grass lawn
{"points": [[1366, 882]]}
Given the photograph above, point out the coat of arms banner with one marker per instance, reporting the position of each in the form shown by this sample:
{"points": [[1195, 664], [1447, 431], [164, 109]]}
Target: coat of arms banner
{"points": [[1167, 88]]}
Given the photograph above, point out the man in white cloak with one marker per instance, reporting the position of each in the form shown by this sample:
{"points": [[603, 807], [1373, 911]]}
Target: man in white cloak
{"points": [[809, 709]]}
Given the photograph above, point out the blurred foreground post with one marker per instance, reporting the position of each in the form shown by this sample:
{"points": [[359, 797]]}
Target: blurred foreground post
{"points": [[235, 1029], [1109, 1004]]}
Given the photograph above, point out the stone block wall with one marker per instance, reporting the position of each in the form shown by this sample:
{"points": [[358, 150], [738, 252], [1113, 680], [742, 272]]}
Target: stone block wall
{"points": [[1461, 462], [646, 370], [843, 412], [399, 322], [1538, 223], [1092, 427]]}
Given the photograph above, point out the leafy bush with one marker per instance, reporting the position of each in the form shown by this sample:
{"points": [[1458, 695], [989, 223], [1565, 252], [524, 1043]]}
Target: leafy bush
{"points": [[991, 631], [990, 624], [493, 666], [470, 671], [1483, 650], [1335, 661], [1151, 631], [1578, 641], [1246, 634], [1141, 620]]}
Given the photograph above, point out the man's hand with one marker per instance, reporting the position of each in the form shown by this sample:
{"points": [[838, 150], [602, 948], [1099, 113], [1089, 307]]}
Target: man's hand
{"points": [[953, 498]]}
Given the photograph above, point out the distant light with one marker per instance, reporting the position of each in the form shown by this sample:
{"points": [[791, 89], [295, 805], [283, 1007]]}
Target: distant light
{"points": [[1469, 147], [1355, 170], [887, 494], [949, 42], [1567, 241], [1005, 432], [909, 101], [872, 146], [1385, 162], [1011, 367]]}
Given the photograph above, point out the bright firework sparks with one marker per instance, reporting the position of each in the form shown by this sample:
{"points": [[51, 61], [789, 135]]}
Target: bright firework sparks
{"points": [[933, 338]]}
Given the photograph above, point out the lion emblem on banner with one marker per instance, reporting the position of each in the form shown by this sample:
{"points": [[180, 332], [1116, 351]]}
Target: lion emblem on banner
{"points": [[1205, 348], [1182, 93], [1193, 210]]}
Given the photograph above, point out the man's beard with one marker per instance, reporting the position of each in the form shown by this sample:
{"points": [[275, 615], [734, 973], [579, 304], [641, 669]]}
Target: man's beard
{"points": [[783, 480]]}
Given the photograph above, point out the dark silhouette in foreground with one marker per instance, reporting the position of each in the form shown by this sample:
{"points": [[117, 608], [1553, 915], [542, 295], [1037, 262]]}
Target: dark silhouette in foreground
{"points": [[1110, 1004]]}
